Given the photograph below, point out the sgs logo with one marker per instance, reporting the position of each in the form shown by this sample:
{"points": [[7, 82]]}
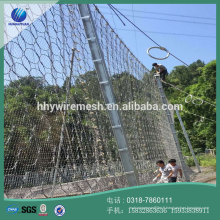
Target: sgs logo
{"points": [[28, 209]]}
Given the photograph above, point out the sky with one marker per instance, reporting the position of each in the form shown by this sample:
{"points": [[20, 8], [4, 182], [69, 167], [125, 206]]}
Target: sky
{"points": [[151, 18], [191, 19]]}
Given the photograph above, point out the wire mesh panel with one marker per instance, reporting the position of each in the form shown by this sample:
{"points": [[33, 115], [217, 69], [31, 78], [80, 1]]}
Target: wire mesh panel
{"points": [[65, 151], [148, 131]]}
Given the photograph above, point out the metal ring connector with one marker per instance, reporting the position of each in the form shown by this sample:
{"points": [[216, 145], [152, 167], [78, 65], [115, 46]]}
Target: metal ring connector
{"points": [[161, 48]]}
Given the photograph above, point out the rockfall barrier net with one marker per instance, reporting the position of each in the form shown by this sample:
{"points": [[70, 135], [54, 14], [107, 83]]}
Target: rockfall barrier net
{"points": [[73, 152]]}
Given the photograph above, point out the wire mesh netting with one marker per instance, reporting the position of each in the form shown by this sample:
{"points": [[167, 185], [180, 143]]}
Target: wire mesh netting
{"points": [[57, 152]]}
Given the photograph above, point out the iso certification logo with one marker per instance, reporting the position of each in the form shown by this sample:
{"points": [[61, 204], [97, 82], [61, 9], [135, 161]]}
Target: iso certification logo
{"points": [[59, 210]]}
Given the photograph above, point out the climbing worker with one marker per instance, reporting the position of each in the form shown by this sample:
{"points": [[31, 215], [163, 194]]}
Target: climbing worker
{"points": [[163, 173], [160, 69]]}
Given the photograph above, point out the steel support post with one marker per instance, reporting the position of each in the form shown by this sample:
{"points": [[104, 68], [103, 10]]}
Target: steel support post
{"points": [[188, 140], [107, 91], [172, 127]]}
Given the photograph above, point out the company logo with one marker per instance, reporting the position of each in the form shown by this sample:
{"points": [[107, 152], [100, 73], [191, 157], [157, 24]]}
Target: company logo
{"points": [[12, 209], [43, 209], [59, 210], [18, 14], [29, 209]]}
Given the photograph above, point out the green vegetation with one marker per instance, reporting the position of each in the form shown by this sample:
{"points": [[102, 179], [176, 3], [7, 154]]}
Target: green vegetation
{"points": [[198, 80], [190, 161], [26, 127], [31, 134], [205, 160]]}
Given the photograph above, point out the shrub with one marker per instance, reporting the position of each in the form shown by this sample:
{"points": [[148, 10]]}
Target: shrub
{"points": [[189, 161], [207, 161]]}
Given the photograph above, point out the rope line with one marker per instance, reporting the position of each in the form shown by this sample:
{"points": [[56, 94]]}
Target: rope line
{"points": [[171, 20], [115, 9], [168, 14], [175, 87], [146, 34], [171, 33], [202, 117]]}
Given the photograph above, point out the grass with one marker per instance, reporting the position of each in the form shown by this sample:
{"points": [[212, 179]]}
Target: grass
{"points": [[205, 160]]}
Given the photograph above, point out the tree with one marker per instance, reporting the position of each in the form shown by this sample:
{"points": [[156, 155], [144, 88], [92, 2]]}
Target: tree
{"points": [[202, 84]]}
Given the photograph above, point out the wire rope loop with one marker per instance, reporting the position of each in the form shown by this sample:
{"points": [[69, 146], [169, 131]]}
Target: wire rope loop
{"points": [[195, 101], [161, 48], [202, 119], [187, 100]]}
